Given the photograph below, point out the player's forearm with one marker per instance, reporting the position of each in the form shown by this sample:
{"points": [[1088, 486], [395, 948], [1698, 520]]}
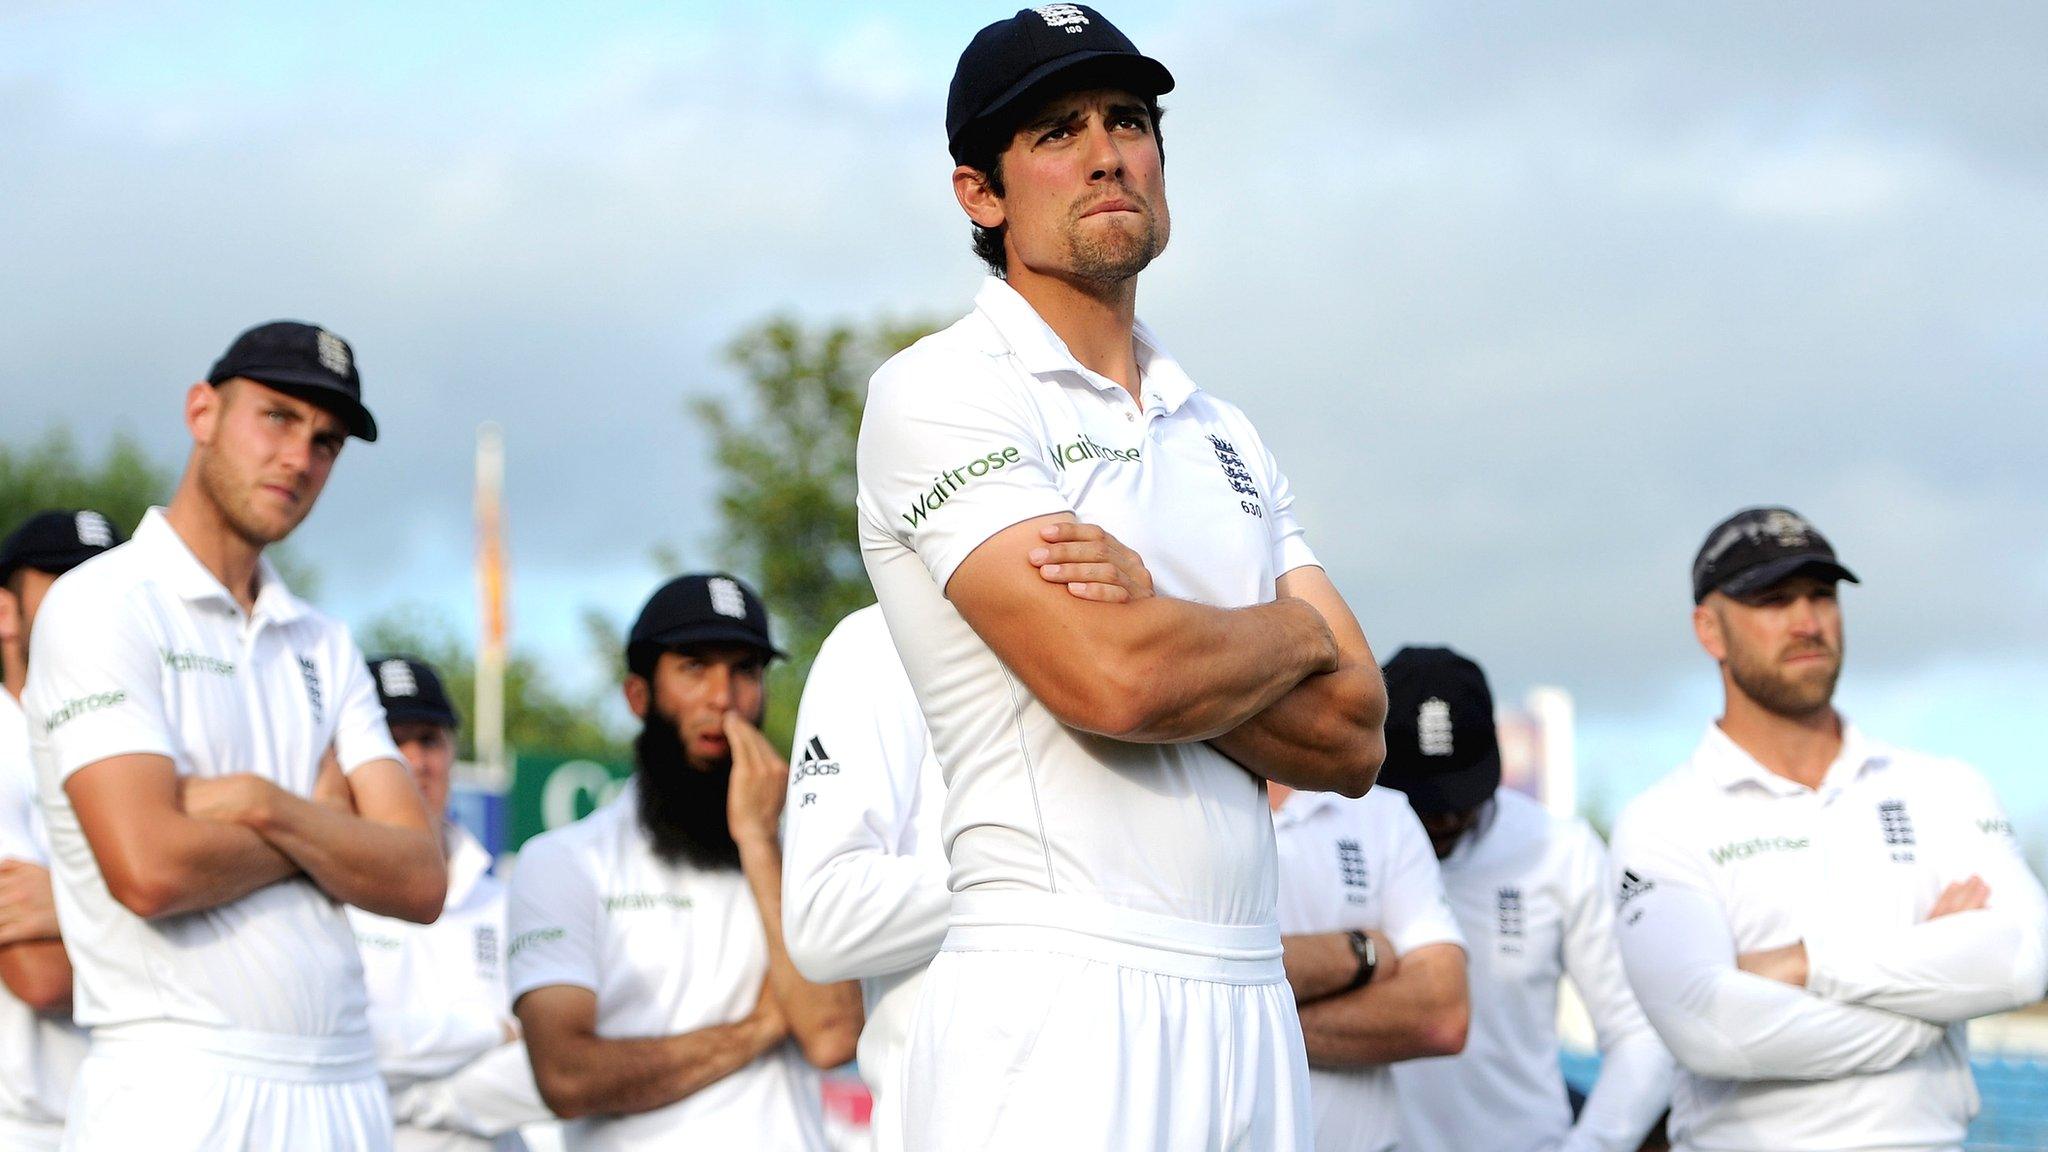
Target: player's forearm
{"points": [[1325, 735], [38, 972], [186, 865], [824, 1019], [1193, 672], [1320, 964], [587, 1075], [1421, 1011], [1956, 967], [388, 869]]}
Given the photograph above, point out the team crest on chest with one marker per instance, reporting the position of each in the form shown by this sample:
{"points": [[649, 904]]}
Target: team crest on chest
{"points": [[1351, 869], [1509, 926], [311, 672], [1898, 830]]}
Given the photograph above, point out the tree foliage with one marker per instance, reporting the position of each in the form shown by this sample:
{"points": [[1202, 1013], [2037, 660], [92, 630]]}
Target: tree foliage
{"points": [[50, 473], [540, 716], [785, 458]]}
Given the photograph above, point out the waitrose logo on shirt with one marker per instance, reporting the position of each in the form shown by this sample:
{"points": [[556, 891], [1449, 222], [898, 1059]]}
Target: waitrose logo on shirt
{"points": [[197, 662], [952, 480], [1744, 849], [1086, 448]]}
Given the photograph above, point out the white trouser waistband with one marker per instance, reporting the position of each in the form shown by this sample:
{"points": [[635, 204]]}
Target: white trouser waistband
{"points": [[18, 1132], [266, 1055], [1016, 921]]}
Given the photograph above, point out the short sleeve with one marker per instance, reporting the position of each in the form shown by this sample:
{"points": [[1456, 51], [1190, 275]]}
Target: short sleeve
{"points": [[550, 921], [361, 732], [1290, 540], [95, 684], [1418, 913], [949, 456]]}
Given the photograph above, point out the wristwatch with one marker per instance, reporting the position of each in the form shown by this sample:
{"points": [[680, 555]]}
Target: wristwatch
{"points": [[1368, 955]]}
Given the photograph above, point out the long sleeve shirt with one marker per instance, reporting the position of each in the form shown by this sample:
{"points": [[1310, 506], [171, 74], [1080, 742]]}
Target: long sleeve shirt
{"points": [[1724, 857]]}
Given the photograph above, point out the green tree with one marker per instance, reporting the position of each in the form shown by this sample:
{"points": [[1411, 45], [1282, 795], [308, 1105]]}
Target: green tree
{"points": [[50, 473], [540, 716], [785, 460]]}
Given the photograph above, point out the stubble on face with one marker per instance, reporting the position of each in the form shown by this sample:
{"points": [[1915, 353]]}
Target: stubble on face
{"points": [[1111, 252], [231, 476], [1795, 691]]}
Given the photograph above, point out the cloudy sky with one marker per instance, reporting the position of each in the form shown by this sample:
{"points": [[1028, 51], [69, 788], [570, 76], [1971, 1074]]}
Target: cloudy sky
{"points": [[1525, 297]]}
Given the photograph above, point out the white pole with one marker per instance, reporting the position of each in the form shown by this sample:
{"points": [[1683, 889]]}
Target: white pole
{"points": [[491, 630]]}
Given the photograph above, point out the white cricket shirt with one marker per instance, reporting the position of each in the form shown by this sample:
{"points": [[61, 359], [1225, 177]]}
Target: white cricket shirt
{"points": [[1357, 864], [992, 422], [863, 876], [141, 650], [1723, 857], [38, 1054], [668, 949], [438, 1009], [1532, 895]]}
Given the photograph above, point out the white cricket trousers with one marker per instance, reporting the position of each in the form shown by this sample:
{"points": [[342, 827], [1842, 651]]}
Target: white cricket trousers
{"points": [[172, 1087], [18, 1135], [1060, 1024]]}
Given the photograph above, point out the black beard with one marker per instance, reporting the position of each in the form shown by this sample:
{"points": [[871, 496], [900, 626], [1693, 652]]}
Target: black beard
{"points": [[682, 807]]}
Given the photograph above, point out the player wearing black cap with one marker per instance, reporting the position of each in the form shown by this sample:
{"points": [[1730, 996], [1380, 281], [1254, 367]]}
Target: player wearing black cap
{"points": [[39, 1046], [1112, 973], [1810, 917], [1531, 895], [219, 782], [659, 916], [446, 1042]]}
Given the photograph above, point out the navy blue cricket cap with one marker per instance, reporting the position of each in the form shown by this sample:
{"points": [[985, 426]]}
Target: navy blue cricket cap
{"points": [[304, 361], [410, 689], [1758, 547], [703, 608], [1023, 56], [1442, 749], [56, 542]]}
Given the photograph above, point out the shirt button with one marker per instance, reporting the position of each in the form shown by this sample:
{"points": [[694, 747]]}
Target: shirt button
{"points": [[1130, 417]]}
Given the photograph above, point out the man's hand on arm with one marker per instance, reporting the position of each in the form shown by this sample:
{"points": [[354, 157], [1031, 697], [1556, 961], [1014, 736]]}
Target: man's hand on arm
{"points": [[1154, 670], [582, 1074], [1788, 965], [825, 1019], [33, 963], [383, 856], [1327, 734], [1417, 1009]]}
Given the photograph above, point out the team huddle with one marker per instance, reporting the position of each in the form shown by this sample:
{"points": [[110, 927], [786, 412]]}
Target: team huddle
{"points": [[1105, 830]]}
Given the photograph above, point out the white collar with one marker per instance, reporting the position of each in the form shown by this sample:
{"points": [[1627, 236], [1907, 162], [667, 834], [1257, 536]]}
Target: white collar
{"points": [[177, 567], [1729, 766], [1029, 338]]}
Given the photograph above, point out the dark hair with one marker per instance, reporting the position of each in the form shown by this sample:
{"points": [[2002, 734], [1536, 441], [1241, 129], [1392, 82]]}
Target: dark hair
{"points": [[982, 150]]}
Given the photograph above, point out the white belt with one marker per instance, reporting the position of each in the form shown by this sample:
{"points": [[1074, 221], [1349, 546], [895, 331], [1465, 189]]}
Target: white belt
{"points": [[266, 1055], [1019, 921]]}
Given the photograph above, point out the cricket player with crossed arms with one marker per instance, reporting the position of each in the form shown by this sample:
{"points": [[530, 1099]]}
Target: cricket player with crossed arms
{"points": [[1111, 977], [219, 781], [1810, 916]]}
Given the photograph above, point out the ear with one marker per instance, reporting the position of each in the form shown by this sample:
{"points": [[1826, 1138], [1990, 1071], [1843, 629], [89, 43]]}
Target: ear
{"points": [[639, 693], [1707, 629], [977, 199], [203, 404]]}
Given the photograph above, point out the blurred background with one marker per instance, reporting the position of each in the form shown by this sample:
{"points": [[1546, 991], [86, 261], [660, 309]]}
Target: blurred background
{"points": [[1524, 298]]}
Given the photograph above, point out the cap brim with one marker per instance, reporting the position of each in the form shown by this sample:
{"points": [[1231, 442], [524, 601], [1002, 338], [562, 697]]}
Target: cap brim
{"points": [[404, 715], [56, 564], [1751, 581], [1140, 74], [1457, 791], [710, 634], [316, 389]]}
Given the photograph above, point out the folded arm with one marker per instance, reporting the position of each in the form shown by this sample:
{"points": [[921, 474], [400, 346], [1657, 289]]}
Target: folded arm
{"points": [[580, 1073], [1155, 670], [384, 856], [1727, 1024], [157, 860], [33, 963], [1328, 728], [1636, 1069], [1419, 1010]]}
